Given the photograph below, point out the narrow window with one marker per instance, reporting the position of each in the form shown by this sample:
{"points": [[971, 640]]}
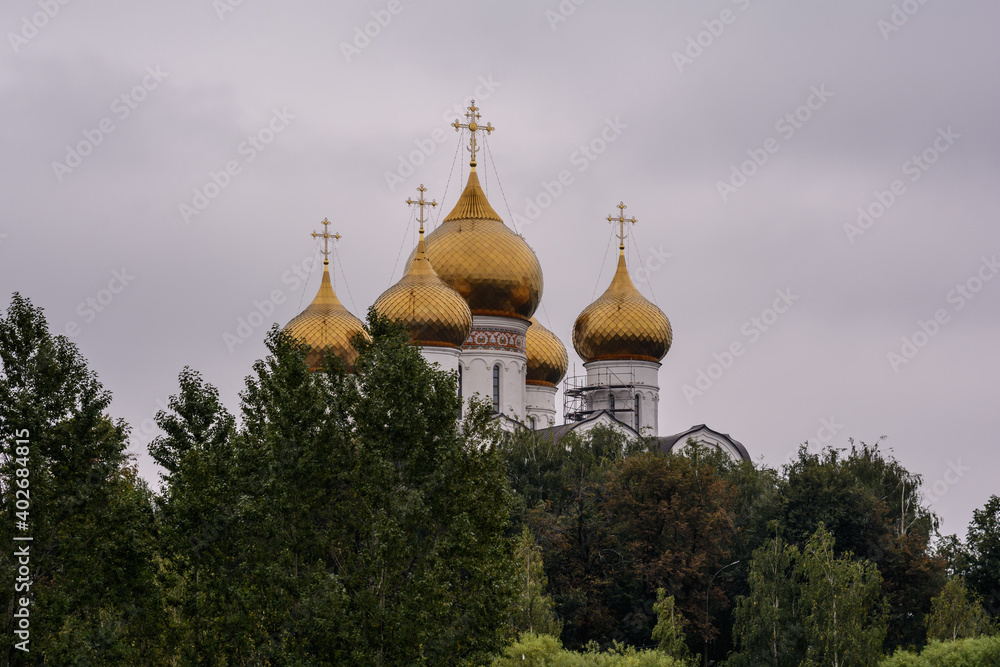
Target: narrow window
{"points": [[611, 402], [531, 420], [496, 388], [460, 407], [637, 422]]}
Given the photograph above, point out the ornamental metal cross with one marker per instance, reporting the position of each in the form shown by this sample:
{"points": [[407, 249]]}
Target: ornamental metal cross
{"points": [[472, 126], [326, 236], [421, 203], [621, 220]]}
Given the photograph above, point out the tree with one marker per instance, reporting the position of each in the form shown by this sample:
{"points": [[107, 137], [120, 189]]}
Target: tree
{"points": [[672, 522], [844, 623], [983, 543], [91, 580], [767, 626], [956, 613], [669, 630], [872, 506], [533, 610], [348, 519], [561, 490]]}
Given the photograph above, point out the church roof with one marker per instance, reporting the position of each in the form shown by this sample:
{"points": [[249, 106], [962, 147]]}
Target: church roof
{"points": [[602, 417], [668, 442]]}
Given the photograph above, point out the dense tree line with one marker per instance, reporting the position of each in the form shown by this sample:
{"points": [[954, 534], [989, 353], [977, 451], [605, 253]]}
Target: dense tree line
{"points": [[618, 520], [348, 518]]}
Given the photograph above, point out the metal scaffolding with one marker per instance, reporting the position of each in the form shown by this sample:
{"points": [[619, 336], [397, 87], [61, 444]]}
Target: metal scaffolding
{"points": [[580, 392]]}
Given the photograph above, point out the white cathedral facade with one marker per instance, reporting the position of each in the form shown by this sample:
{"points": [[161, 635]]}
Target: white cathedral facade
{"points": [[468, 297]]}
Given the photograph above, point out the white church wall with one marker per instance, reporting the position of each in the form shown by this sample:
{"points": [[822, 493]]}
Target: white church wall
{"points": [[496, 341], [644, 378], [540, 404]]}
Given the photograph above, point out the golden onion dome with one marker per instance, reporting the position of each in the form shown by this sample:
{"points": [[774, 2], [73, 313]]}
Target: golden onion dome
{"points": [[326, 325], [547, 358], [622, 324], [435, 313], [478, 256]]}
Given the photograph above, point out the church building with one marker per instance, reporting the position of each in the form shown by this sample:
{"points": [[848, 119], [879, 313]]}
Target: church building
{"points": [[469, 296]]}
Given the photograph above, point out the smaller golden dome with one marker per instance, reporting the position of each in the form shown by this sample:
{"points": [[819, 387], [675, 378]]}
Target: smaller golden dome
{"points": [[326, 325], [547, 358], [435, 313], [622, 324]]}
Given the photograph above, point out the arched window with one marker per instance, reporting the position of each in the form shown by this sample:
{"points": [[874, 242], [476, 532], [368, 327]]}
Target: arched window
{"points": [[611, 403], [460, 407], [637, 421], [531, 420], [496, 388]]}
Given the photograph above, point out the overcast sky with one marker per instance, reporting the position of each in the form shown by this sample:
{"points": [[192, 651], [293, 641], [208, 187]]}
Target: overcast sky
{"points": [[167, 161]]}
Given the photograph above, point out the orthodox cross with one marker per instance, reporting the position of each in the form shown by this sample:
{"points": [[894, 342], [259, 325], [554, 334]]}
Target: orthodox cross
{"points": [[621, 220], [472, 126], [421, 203], [326, 236]]}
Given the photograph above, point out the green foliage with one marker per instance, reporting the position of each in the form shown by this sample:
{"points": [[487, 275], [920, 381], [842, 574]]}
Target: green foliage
{"points": [[981, 652], [872, 507], [809, 608], [956, 613], [672, 519], [94, 592], [616, 522], [669, 630], [347, 521], [843, 620], [768, 628], [534, 611], [547, 651], [983, 544], [563, 487]]}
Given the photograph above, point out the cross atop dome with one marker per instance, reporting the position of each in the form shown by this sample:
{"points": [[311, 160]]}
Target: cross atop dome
{"points": [[621, 220], [326, 236], [421, 203], [472, 126]]}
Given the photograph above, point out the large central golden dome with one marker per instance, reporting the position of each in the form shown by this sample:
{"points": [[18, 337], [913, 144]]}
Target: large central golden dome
{"points": [[494, 269], [326, 325], [435, 314], [622, 324]]}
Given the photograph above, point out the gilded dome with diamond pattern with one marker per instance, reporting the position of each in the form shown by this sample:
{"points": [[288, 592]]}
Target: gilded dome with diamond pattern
{"points": [[547, 358], [326, 325], [435, 313], [478, 256], [622, 324]]}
